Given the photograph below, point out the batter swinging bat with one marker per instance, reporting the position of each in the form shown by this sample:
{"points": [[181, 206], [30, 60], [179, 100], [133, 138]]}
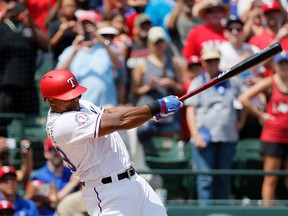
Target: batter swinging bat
{"points": [[236, 69]]}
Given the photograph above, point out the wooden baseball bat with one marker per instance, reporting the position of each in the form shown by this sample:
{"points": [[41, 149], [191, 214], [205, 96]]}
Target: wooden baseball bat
{"points": [[236, 69]]}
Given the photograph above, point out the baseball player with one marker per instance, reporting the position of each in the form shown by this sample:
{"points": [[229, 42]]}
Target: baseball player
{"points": [[86, 137]]}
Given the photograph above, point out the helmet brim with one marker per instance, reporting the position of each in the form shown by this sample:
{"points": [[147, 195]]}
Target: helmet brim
{"points": [[76, 92]]}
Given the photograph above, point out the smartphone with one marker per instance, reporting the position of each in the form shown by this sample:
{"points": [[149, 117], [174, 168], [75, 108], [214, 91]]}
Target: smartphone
{"points": [[86, 33]]}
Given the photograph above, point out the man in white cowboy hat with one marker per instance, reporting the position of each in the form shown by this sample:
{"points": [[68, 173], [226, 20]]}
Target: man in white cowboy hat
{"points": [[211, 32]]}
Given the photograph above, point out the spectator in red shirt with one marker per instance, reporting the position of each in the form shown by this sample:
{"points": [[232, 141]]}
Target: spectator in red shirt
{"points": [[191, 70], [275, 31], [273, 139], [38, 11], [210, 33]]}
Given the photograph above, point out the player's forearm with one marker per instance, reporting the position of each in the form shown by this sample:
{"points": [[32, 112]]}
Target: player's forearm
{"points": [[124, 118]]}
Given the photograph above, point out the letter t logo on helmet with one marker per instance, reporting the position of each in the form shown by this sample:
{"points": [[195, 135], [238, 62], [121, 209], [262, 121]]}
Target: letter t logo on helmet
{"points": [[71, 82], [60, 84]]}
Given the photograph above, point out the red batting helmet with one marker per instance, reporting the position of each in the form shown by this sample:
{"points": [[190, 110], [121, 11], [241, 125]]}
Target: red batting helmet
{"points": [[60, 84]]}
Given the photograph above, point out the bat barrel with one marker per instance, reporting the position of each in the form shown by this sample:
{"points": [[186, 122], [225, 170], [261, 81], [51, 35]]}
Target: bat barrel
{"points": [[238, 68], [251, 61]]}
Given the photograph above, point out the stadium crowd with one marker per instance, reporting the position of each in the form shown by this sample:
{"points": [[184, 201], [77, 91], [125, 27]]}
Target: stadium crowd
{"points": [[131, 52]]}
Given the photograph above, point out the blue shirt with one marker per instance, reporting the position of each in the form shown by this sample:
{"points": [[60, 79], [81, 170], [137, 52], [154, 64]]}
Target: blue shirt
{"points": [[45, 175], [24, 207], [157, 11], [93, 69]]}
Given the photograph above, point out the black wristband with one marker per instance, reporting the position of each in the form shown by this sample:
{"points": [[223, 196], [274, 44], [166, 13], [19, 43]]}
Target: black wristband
{"points": [[154, 107]]}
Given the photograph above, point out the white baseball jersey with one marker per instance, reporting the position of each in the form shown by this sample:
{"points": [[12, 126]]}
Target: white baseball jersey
{"points": [[75, 135]]}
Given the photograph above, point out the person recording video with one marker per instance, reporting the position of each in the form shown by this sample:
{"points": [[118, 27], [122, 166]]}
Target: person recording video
{"points": [[92, 61]]}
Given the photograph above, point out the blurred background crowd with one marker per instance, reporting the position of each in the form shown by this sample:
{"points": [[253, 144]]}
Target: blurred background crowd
{"points": [[130, 52]]}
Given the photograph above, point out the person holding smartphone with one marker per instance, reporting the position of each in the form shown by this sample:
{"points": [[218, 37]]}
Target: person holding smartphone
{"points": [[92, 61]]}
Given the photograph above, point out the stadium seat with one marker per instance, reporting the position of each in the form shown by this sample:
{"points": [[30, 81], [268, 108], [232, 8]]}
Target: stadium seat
{"points": [[169, 153], [165, 149], [247, 156]]}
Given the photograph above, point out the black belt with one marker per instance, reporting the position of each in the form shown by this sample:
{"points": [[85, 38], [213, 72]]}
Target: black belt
{"points": [[127, 174]]}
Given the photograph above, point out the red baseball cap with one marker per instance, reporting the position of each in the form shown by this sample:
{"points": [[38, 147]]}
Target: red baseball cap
{"points": [[87, 15], [194, 60], [7, 170], [34, 183], [6, 205], [48, 144], [271, 6]]}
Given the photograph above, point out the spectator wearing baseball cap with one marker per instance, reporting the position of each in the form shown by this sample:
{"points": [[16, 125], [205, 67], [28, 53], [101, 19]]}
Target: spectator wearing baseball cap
{"points": [[9, 144], [275, 31], [39, 192], [88, 16], [252, 16], [7, 170], [230, 20], [192, 69], [155, 34], [97, 75], [274, 117], [208, 113], [9, 192], [138, 50], [155, 76], [271, 6], [56, 175], [6, 208], [141, 25], [119, 43], [233, 51], [211, 6], [212, 12], [141, 19], [210, 55], [281, 57]]}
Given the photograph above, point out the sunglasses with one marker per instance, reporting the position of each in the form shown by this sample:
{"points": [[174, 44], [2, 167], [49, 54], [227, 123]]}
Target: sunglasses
{"points": [[239, 29], [212, 60], [214, 10], [108, 35], [193, 66]]}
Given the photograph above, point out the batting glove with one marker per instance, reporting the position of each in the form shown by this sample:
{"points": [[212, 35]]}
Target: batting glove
{"points": [[168, 106]]}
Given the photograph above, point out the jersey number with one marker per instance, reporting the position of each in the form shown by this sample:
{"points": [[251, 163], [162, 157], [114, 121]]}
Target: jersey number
{"points": [[64, 157]]}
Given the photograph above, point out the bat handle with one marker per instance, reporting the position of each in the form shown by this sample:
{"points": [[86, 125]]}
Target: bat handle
{"points": [[206, 85]]}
